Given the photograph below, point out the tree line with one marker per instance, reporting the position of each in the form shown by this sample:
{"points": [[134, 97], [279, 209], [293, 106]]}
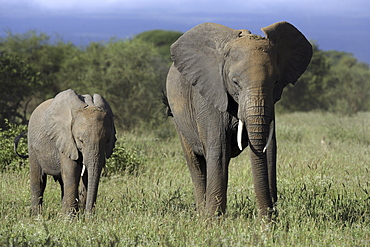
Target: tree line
{"points": [[131, 75], [334, 81]]}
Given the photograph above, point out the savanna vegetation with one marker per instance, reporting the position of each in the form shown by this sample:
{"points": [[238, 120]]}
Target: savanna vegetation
{"points": [[145, 197], [323, 183], [35, 67]]}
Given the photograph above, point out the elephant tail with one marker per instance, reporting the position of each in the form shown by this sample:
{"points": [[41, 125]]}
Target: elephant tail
{"points": [[166, 105], [16, 141]]}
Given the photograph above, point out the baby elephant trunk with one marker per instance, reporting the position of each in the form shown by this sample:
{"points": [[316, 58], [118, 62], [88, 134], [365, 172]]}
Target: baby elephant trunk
{"points": [[93, 175]]}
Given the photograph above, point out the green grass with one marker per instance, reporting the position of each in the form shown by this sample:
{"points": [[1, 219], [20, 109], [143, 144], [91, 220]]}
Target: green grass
{"points": [[323, 184]]}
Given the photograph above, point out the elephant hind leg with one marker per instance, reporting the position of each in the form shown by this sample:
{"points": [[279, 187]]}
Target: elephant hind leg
{"points": [[198, 172], [37, 184], [60, 181]]}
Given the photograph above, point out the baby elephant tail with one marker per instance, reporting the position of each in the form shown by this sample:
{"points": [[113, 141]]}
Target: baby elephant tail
{"points": [[16, 141], [167, 105]]}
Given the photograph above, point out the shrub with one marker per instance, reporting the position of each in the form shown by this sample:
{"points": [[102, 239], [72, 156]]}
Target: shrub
{"points": [[122, 161], [9, 161]]}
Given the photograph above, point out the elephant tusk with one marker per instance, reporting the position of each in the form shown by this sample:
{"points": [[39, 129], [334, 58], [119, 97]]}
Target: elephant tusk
{"points": [[239, 135], [271, 133], [83, 170]]}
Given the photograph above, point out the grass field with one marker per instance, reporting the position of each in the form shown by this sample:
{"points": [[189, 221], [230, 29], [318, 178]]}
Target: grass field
{"points": [[323, 185]]}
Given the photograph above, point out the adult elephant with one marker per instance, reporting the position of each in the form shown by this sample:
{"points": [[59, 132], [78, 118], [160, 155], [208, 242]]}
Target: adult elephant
{"points": [[65, 135], [221, 89]]}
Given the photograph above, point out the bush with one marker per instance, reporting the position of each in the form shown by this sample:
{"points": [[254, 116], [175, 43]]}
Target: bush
{"points": [[9, 161], [122, 161]]}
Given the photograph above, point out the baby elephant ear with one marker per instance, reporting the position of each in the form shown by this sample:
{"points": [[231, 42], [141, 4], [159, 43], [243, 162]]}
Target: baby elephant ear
{"points": [[199, 56], [294, 53], [99, 101], [58, 121]]}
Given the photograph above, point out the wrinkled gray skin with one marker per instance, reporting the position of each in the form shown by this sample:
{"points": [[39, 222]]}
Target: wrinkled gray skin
{"points": [[220, 76], [64, 134]]}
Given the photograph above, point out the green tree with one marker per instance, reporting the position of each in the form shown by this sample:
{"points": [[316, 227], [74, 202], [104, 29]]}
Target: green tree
{"points": [[308, 92], [161, 39], [83, 69], [43, 56], [134, 76], [18, 81], [130, 74], [351, 84], [334, 81]]}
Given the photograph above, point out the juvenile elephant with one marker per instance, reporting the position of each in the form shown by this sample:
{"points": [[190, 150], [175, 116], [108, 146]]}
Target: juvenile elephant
{"points": [[221, 89], [65, 135]]}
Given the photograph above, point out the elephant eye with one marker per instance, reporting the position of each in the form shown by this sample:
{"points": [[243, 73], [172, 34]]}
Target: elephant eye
{"points": [[236, 81]]}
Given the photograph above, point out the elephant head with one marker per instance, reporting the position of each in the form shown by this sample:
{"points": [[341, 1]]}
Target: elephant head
{"points": [[82, 128], [244, 74]]}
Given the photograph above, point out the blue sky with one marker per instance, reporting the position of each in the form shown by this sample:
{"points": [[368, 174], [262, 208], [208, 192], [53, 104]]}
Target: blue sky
{"points": [[335, 25]]}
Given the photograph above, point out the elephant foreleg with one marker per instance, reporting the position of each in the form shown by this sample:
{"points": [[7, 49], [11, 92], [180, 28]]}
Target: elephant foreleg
{"points": [[71, 173], [271, 166], [217, 180], [82, 193]]}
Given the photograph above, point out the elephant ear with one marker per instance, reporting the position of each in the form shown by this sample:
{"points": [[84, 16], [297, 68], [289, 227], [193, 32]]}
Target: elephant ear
{"points": [[99, 101], [199, 56], [58, 121], [294, 53], [87, 99]]}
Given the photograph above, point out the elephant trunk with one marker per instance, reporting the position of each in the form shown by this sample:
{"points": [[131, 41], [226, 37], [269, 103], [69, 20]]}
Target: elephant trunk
{"points": [[94, 169], [240, 135], [256, 113]]}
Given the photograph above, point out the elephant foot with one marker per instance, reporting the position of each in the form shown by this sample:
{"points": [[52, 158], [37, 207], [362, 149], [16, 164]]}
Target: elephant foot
{"points": [[271, 217], [36, 210]]}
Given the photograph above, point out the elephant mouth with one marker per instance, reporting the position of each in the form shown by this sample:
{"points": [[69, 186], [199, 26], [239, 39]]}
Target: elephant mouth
{"points": [[240, 134]]}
